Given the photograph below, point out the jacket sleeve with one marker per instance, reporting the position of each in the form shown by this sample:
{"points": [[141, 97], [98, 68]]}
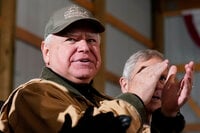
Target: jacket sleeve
{"points": [[127, 104], [163, 124]]}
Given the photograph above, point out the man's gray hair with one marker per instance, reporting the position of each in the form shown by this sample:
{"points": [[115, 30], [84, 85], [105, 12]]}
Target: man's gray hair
{"points": [[142, 55], [48, 38]]}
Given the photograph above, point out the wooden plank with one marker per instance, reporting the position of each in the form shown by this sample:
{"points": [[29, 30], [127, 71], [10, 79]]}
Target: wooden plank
{"points": [[7, 28], [28, 37], [157, 27], [175, 7], [113, 78], [195, 107], [99, 12], [172, 13], [191, 127], [181, 67], [1, 21]]}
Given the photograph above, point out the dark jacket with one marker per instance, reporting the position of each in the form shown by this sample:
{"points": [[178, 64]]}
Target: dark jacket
{"points": [[163, 124]]}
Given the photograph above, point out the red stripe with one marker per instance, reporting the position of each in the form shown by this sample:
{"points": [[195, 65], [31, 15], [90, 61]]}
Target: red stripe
{"points": [[188, 19]]}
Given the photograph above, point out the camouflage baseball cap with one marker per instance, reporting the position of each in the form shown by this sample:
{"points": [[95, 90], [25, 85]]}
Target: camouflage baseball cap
{"points": [[65, 17]]}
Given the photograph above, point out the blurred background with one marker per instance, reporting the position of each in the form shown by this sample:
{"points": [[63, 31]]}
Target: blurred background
{"points": [[170, 26]]}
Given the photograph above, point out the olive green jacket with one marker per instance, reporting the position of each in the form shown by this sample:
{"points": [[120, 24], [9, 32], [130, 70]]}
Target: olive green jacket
{"points": [[40, 106]]}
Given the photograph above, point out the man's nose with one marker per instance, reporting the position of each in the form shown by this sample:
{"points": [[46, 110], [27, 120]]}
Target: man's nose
{"points": [[83, 46]]}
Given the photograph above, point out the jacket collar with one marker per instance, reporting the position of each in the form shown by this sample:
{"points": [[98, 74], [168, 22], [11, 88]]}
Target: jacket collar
{"points": [[49, 74], [79, 89]]}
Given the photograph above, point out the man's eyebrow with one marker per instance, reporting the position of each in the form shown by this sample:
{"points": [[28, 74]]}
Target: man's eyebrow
{"points": [[141, 69]]}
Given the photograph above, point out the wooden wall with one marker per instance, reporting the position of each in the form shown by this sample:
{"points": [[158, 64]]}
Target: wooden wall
{"points": [[7, 33]]}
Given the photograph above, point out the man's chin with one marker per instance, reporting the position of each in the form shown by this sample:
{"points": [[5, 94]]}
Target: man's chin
{"points": [[85, 77]]}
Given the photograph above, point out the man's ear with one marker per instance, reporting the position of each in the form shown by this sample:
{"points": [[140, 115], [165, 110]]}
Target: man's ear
{"points": [[124, 84], [45, 52]]}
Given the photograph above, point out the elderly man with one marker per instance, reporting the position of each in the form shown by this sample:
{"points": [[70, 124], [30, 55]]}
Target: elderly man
{"points": [[163, 111]]}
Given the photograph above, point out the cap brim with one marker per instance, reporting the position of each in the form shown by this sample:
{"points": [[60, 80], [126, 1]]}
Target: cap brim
{"points": [[93, 23]]}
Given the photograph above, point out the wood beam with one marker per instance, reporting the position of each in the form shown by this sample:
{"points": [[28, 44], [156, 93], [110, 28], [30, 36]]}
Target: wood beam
{"points": [[157, 26], [28, 37], [7, 28], [113, 78], [194, 106], [99, 12], [181, 67], [1, 21], [192, 127], [175, 7]]}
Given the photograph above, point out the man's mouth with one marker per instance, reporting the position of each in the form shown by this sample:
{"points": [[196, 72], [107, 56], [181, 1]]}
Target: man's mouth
{"points": [[84, 60], [156, 97]]}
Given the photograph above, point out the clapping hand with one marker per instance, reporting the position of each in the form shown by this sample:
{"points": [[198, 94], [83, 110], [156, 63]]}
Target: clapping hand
{"points": [[176, 93]]}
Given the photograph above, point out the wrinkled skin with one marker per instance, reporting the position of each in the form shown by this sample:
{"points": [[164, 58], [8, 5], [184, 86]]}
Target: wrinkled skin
{"points": [[74, 55]]}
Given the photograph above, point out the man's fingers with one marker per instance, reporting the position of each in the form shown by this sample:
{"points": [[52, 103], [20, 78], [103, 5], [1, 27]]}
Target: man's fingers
{"points": [[172, 71], [171, 84], [154, 72], [161, 67], [186, 83]]}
